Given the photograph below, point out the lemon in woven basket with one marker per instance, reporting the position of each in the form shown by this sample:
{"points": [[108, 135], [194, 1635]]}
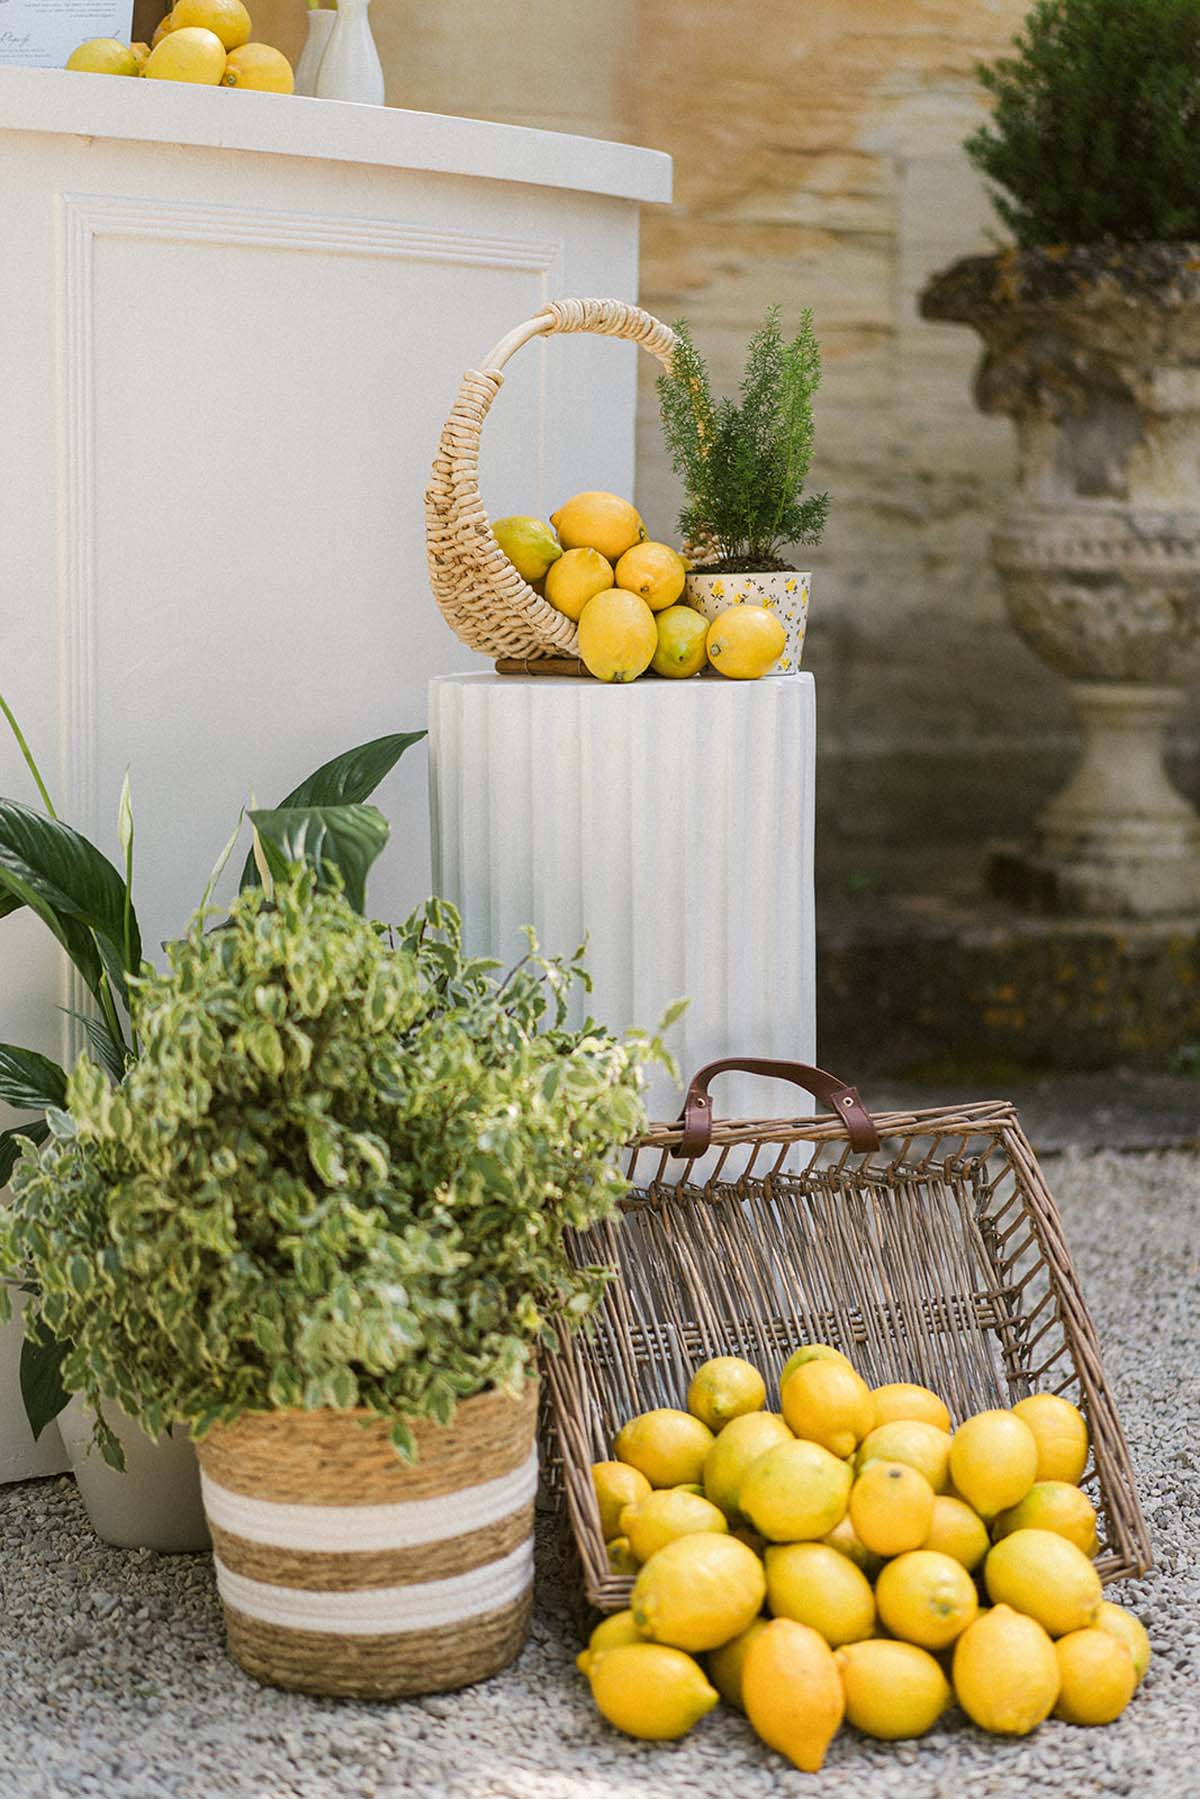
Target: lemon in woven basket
{"points": [[529, 544], [599, 521], [724, 1388], [846, 1540], [651, 1691], [698, 1592], [1060, 1433], [665, 1514], [1053, 1505], [893, 1690], [827, 1403], [925, 1447], [1005, 1672], [926, 1598], [891, 1507], [617, 1485], [577, 577], [735, 1451], [617, 636], [810, 1352], [993, 1461], [901, 1399], [665, 1445], [655, 571], [228, 19], [795, 1493], [813, 1584], [1046, 1577], [958, 1531]]}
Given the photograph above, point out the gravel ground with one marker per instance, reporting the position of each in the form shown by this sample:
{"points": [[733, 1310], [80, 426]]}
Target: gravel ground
{"points": [[114, 1680]]}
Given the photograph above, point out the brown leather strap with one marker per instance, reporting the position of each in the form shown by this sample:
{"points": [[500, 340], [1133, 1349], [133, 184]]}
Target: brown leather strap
{"points": [[696, 1117]]}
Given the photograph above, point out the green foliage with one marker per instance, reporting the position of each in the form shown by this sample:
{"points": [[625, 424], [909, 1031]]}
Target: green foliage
{"points": [[744, 466], [1096, 130], [337, 1174]]}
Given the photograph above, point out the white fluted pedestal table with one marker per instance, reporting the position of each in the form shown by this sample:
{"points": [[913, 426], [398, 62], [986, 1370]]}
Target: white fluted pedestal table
{"points": [[669, 823]]}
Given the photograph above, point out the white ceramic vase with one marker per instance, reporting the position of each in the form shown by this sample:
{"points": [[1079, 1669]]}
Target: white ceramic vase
{"points": [[782, 591], [350, 68], [321, 21], [156, 1503]]}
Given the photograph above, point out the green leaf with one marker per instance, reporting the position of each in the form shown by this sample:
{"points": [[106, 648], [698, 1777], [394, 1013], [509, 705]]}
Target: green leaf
{"points": [[108, 1051], [74, 890], [42, 1390], [29, 1081], [13, 1140], [345, 838], [346, 781]]}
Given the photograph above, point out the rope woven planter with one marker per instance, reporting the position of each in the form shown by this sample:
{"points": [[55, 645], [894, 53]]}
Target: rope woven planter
{"points": [[482, 597], [343, 1570]]}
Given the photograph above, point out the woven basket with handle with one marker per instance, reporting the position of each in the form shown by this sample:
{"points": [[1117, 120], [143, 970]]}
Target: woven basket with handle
{"points": [[482, 597], [924, 1245]]}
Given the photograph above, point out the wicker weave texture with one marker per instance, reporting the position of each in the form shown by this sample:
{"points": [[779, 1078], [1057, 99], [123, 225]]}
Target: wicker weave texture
{"points": [[939, 1258], [482, 597]]}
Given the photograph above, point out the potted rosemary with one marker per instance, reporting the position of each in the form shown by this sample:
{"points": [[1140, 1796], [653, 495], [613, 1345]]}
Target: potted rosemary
{"points": [[743, 468]]}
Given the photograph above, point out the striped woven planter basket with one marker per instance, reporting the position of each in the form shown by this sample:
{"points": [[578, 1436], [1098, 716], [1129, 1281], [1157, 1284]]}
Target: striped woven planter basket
{"points": [[343, 1570]]}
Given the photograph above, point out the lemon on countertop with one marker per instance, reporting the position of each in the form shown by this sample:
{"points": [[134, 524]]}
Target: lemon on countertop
{"points": [[745, 641], [1005, 1672], [698, 1592], [893, 1690], [259, 68], [228, 19], [103, 56], [682, 637], [650, 1690], [188, 53], [617, 636]]}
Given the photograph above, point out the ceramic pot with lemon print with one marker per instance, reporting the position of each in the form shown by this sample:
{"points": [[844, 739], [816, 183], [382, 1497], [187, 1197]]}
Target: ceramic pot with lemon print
{"points": [[785, 592]]}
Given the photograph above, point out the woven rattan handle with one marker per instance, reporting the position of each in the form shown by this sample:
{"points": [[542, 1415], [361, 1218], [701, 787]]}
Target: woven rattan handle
{"points": [[696, 1117]]}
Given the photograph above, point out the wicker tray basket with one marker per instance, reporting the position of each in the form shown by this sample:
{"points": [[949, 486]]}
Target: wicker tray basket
{"points": [[482, 597], [925, 1245]]}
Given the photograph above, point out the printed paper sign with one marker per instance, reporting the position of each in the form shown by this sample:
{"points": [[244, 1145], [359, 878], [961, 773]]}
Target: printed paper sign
{"points": [[41, 34]]}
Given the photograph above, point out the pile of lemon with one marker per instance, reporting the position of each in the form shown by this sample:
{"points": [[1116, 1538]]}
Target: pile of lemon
{"points": [[853, 1558], [598, 567], [205, 41]]}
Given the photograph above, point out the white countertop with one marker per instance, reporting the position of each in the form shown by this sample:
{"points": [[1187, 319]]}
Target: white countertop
{"points": [[169, 112]]}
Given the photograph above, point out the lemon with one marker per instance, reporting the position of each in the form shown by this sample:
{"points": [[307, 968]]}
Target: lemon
{"points": [[661, 1517], [792, 1691], [617, 1485], [926, 1598], [726, 1664], [925, 1447], [621, 1559], [529, 544], [617, 636], [1060, 1433], [1053, 1505], [900, 1399], [845, 1539], [611, 1633], [682, 634], [598, 521], [259, 67], [795, 1493], [650, 1691], [744, 642], [575, 578], [228, 19], [103, 56], [736, 1449], [655, 571], [810, 1352], [1045, 1576], [164, 26], [698, 1592], [993, 1461], [813, 1584], [891, 1507], [188, 54], [141, 52], [1005, 1672], [828, 1404], [893, 1690], [958, 1531], [725, 1388], [1132, 1632], [687, 1486], [1097, 1677], [668, 1447]]}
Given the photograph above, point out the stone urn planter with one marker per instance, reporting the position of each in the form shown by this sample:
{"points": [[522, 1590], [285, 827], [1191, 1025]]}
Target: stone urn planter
{"points": [[1094, 352]]}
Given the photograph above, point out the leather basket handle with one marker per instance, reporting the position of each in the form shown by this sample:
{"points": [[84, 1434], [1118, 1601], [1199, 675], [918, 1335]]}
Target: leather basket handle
{"points": [[696, 1117]]}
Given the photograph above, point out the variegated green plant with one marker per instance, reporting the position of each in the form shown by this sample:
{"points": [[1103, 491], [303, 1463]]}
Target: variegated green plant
{"points": [[337, 1174]]}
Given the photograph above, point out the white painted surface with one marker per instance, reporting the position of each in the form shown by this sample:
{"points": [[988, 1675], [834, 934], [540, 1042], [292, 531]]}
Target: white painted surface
{"points": [[20, 1457], [669, 823]]}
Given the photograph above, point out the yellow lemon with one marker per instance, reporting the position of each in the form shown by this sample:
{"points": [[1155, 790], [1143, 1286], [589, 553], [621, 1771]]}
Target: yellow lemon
{"points": [[736, 1449], [828, 1404], [795, 1493], [1005, 1672], [900, 1399], [529, 544], [164, 26], [925, 1447], [926, 1598], [261, 68], [846, 1540], [810, 1352], [103, 56], [598, 521], [792, 1692], [682, 635], [617, 1485], [893, 1690], [575, 578], [993, 1461], [698, 1592], [662, 1516], [227, 18], [1132, 1632], [891, 1507], [813, 1584], [611, 1633], [726, 1664], [1060, 1433], [668, 1447], [617, 636], [141, 52], [744, 642], [655, 571], [188, 54], [723, 1389], [621, 1559], [1053, 1505], [1096, 1677], [1045, 1576], [650, 1691], [958, 1531]]}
